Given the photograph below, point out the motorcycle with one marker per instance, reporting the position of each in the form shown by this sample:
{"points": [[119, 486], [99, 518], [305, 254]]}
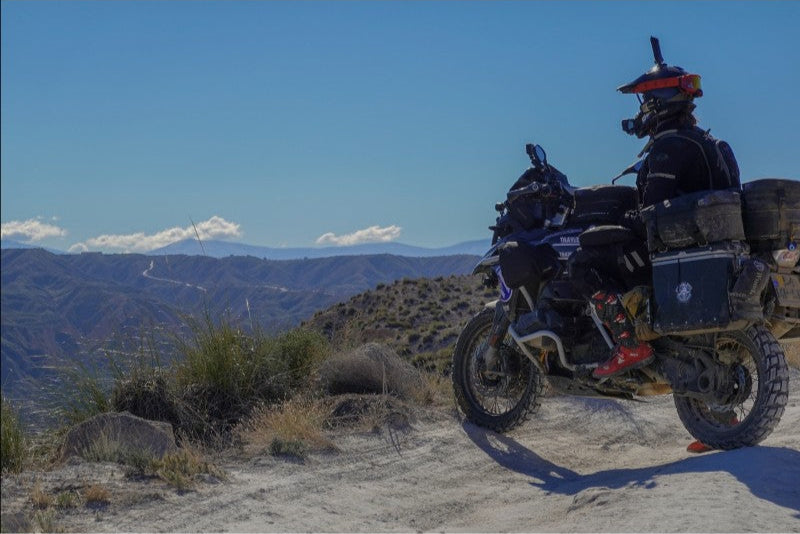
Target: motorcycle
{"points": [[725, 370]]}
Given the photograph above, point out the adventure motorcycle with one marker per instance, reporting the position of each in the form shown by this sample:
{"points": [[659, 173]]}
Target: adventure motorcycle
{"points": [[715, 352]]}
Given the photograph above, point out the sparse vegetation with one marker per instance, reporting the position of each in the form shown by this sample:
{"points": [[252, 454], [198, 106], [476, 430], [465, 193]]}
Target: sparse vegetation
{"points": [[279, 394], [412, 316]]}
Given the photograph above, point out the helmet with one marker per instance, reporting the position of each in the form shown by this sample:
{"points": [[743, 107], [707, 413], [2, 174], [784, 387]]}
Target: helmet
{"points": [[667, 91]]}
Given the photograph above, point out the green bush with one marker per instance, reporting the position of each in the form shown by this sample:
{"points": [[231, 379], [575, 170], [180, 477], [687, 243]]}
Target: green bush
{"points": [[225, 371], [12, 440]]}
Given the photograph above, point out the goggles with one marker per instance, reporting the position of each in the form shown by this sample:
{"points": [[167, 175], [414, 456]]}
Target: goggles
{"points": [[688, 83]]}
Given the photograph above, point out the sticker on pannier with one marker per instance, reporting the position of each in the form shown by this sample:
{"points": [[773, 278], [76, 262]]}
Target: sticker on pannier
{"points": [[690, 290]]}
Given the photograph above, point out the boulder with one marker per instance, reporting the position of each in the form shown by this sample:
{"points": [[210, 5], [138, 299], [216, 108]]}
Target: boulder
{"points": [[112, 436]]}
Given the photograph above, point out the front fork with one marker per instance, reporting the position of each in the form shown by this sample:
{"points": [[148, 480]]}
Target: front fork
{"points": [[496, 334]]}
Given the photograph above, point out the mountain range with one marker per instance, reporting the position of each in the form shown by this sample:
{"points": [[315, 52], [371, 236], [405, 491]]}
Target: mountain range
{"points": [[222, 249]]}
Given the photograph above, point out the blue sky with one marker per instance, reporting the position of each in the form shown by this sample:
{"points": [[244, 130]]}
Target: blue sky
{"points": [[303, 123]]}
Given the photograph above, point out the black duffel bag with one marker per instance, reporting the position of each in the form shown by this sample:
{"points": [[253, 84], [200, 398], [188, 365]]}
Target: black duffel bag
{"points": [[695, 219]]}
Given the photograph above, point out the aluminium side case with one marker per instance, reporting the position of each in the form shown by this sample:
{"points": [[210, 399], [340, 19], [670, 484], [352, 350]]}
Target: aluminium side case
{"points": [[691, 289]]}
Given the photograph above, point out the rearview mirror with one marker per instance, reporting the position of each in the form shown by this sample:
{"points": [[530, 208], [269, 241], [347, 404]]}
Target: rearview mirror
{"points": [[537, 155]]}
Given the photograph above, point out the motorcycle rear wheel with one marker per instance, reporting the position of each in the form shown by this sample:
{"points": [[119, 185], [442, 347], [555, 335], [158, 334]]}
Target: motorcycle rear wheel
{"points": [[499, 400], [755, 356]]}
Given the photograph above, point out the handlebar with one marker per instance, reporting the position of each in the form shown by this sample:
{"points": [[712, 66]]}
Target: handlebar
{"points": [[534, 188]]}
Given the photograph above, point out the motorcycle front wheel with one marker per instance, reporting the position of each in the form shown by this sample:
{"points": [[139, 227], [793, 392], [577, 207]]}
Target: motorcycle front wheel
{"points": [[500, 398], [761, 379]]}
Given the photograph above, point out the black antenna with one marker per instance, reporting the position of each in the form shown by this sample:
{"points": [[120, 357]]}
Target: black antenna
{"points": [[657, 51]]}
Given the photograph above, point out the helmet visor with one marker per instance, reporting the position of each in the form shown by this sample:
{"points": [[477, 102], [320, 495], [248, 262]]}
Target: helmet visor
{"points": [[688, 83]]}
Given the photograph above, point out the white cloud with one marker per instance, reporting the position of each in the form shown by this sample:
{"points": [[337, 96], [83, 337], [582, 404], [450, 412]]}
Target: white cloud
{"points": [[30, 230], [214, 228], [373, 234]]}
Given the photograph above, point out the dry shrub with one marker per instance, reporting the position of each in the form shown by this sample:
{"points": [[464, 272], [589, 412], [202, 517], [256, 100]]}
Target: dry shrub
{"points": [[292, 428], [372, 368], [96, 494]]}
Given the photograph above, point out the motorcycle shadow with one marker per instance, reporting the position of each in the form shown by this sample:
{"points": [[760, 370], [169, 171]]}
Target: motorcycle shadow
{"points": [[770, 473]]}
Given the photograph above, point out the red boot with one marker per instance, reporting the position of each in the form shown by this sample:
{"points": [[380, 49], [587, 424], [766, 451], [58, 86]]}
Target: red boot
{"points": [[629, 353], [698, 446], [624, 358]]}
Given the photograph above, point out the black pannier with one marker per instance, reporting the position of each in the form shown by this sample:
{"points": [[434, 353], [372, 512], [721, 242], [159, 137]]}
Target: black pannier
{"points": [[771, 212], [691, 289], [694, 219], [522, 264], [603, 204]]}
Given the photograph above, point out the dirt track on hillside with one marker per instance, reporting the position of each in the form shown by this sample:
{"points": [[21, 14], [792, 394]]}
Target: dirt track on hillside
{"points": [[580, 465]]}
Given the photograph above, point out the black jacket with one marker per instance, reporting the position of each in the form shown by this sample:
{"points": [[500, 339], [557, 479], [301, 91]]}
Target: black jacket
{"points": [[682, 159]]}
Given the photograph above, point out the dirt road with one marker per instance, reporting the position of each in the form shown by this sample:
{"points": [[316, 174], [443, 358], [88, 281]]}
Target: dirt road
{"points": [[580, 465]]}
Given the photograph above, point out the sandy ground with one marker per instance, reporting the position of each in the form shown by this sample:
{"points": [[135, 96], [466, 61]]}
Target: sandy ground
{"points": [[580, 465]]}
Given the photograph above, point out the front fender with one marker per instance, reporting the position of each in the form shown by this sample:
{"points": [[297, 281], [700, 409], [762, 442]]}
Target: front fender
{"points": [[491, 305]]}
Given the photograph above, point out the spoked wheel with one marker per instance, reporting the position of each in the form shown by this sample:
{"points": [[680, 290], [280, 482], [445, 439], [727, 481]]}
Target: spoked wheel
{"points": [[503, 396], [758, 382]]}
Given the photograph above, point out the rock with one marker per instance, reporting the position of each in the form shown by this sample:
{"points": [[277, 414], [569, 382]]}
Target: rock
{"points": [[112, 436]]}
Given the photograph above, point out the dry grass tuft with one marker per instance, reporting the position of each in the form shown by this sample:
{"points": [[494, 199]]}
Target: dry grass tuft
{"points": [[96, 494], [67, 499], [291, 429], [180, 469], [40, 499]]}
